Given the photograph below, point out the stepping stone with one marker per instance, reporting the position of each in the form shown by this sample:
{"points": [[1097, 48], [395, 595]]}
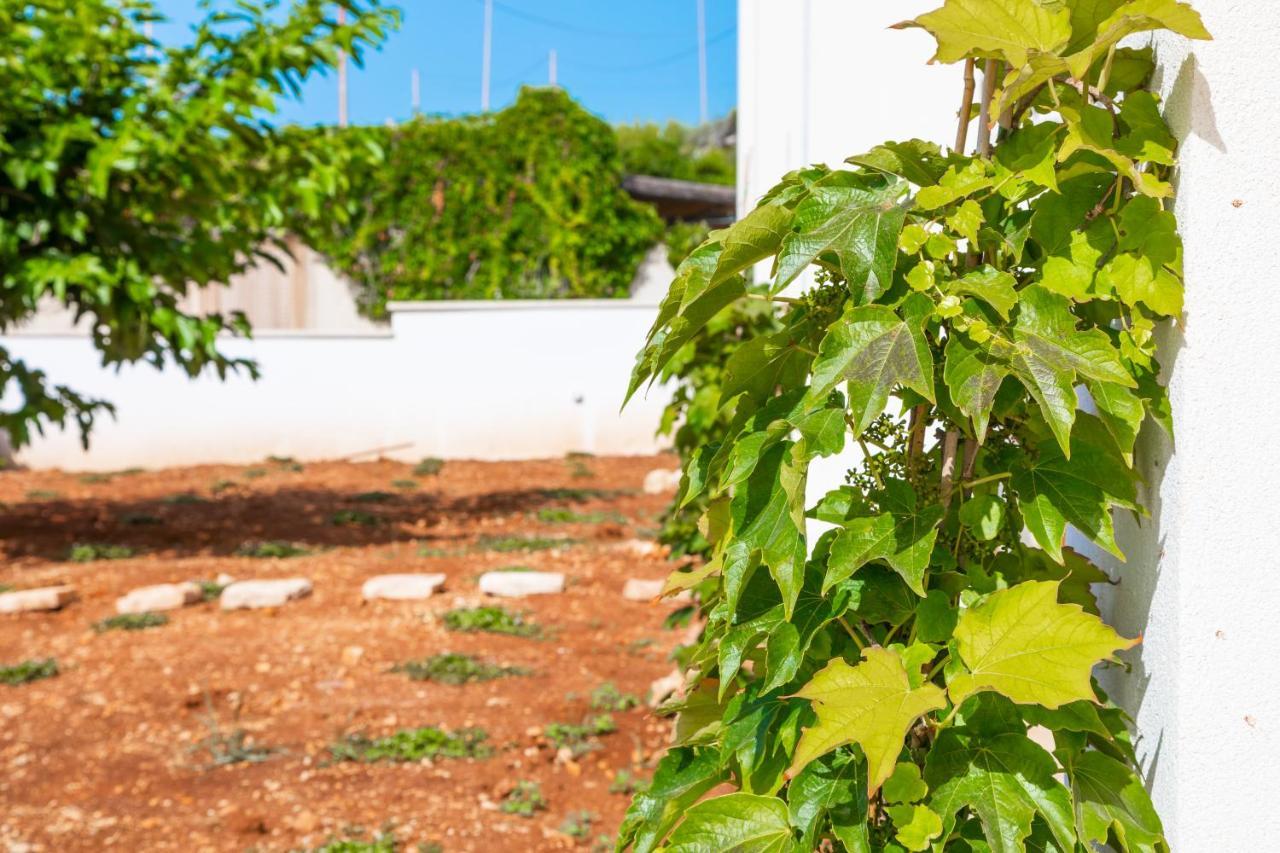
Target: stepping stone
{"points": [[661, 480], [250, 595], [641, 589], [640, 547], [401, 587], [520, 584], [165, 596], [44, 598]]}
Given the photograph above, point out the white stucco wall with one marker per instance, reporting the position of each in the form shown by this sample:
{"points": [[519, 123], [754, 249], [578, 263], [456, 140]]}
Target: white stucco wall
{"points": [[1202, 582], [486, 380]]}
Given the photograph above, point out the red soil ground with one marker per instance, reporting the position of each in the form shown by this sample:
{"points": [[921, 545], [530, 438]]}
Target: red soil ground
{"points": [[103, 755]]}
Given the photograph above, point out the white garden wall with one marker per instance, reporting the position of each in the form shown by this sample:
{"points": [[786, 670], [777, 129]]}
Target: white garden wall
{"points": [[488, 380]]}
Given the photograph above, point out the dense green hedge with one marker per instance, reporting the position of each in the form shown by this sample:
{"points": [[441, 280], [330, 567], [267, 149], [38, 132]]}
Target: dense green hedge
{"points": [[526, 202], [676, 151]]}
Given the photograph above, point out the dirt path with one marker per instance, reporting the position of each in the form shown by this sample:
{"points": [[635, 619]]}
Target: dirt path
{"points": [[104, 754]]}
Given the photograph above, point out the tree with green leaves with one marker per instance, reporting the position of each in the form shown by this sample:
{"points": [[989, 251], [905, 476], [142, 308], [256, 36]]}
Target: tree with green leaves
{"points": [[980, 325], [132, 172]]}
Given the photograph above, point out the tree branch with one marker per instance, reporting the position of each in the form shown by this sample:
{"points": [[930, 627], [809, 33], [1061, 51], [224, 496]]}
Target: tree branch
{"points": [[966, 108], [949, 444], [984, 110]]}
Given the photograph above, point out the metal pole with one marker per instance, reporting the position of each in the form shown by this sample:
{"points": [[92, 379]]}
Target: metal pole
{"points": [[342, 74], [552, 67], [702, 60], [488, 56], [415, 94]]}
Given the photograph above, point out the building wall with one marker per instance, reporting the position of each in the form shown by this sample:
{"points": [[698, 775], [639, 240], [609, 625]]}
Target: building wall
{"points": [[820, 79]]}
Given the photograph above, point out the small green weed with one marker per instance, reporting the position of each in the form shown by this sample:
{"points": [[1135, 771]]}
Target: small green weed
{"points": [[577, 824], [374, 497], [626, 782], [130, 622], [606, 697], [271, 549], [220, 486], [577, 468], [95, 478], [227, 748], [354, 518], [287, 463], [28, 671], [578, 738], [565, 515], [452, 668], [576, 495], [413, 745], [525, 799], [405, 485], [210, 590], [87, 552], [492, 620], [637, 647], [428, 467], [139, 519], [433, 551], [508, 544], [43, 495], [183, 498], [6, 587], [254, 473]]}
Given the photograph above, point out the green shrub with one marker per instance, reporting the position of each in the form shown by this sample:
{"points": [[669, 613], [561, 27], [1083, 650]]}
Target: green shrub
{"points": [[405, 485], [87, 552], [428, 467], [354, 518], [28, 671], [577, 824], [526, 202], [413, 745], [606, 697], [524, 799], [492, 620], [130, 622], [508, 544], [375, 497], [564, 515], [579, 739], [452, 668]]}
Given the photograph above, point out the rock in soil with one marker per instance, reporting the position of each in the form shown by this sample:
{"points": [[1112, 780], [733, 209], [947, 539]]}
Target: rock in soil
{"points": [[165, 596], [401, 587], [639, 589], [661, 480], [44, 598], [520, 584], [249, 595]]}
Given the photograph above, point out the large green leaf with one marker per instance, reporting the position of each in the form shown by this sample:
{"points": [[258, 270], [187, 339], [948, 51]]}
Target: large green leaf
{"points": [[903, 536], [754, 237], [874, 350], [834, 786], [918, 161], [1007, 29], [994, 287], [855, 218], [1110, 798], [1005, 778], [789, 641], [768, 516], [760, 365], [684, 774], [973, 377], [1021, 643], [735, 822], [871, 704]]}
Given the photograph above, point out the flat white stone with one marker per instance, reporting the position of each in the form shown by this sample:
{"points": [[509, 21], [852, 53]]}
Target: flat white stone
{"points": [[165, 596], [518, 584], [244, 595], [44, 598], [638, 589], [661, 480], [401, 587], [640, 547]]}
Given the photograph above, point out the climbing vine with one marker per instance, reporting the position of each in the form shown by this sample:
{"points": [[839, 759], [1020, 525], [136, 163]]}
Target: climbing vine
{"points": [[876, 688]]}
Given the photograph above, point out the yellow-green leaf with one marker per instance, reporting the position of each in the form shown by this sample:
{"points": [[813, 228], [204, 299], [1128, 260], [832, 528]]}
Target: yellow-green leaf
{"points": [[1005, 28], [871, 704], [1023, 644]]}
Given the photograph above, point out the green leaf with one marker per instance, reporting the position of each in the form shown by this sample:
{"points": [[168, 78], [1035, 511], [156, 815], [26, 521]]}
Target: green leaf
{"points": [[967, 220], [871, 704], [1110, 798], [874, 350], [734, 822], [1073, 272], [935, 618], [835, 786], [856, 218], [994, 287], [1032, 152], [768, 516], [1005, 778], [903, 536], [760, 365], [905, 785], [973, 377], [1121, 412], [754, 237], [1020, 642], [915, 826], [683, 775], [789, 641], [982, 515], [917, 161], [958, 182], [1008, 29]]}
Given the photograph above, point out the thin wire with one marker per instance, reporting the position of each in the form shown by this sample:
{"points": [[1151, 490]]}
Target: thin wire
{"points": [[645, 66], [567, 27]]}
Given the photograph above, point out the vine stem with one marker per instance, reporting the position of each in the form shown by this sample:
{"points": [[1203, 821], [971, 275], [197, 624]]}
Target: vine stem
{"points": [[857, 641], [764, 297], [916, 444], [984, 480], [966, 108], [984, 110], [949, 444]]}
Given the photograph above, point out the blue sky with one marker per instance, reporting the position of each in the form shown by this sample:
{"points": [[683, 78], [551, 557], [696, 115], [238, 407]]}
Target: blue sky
{"points": [[626, 61]]}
